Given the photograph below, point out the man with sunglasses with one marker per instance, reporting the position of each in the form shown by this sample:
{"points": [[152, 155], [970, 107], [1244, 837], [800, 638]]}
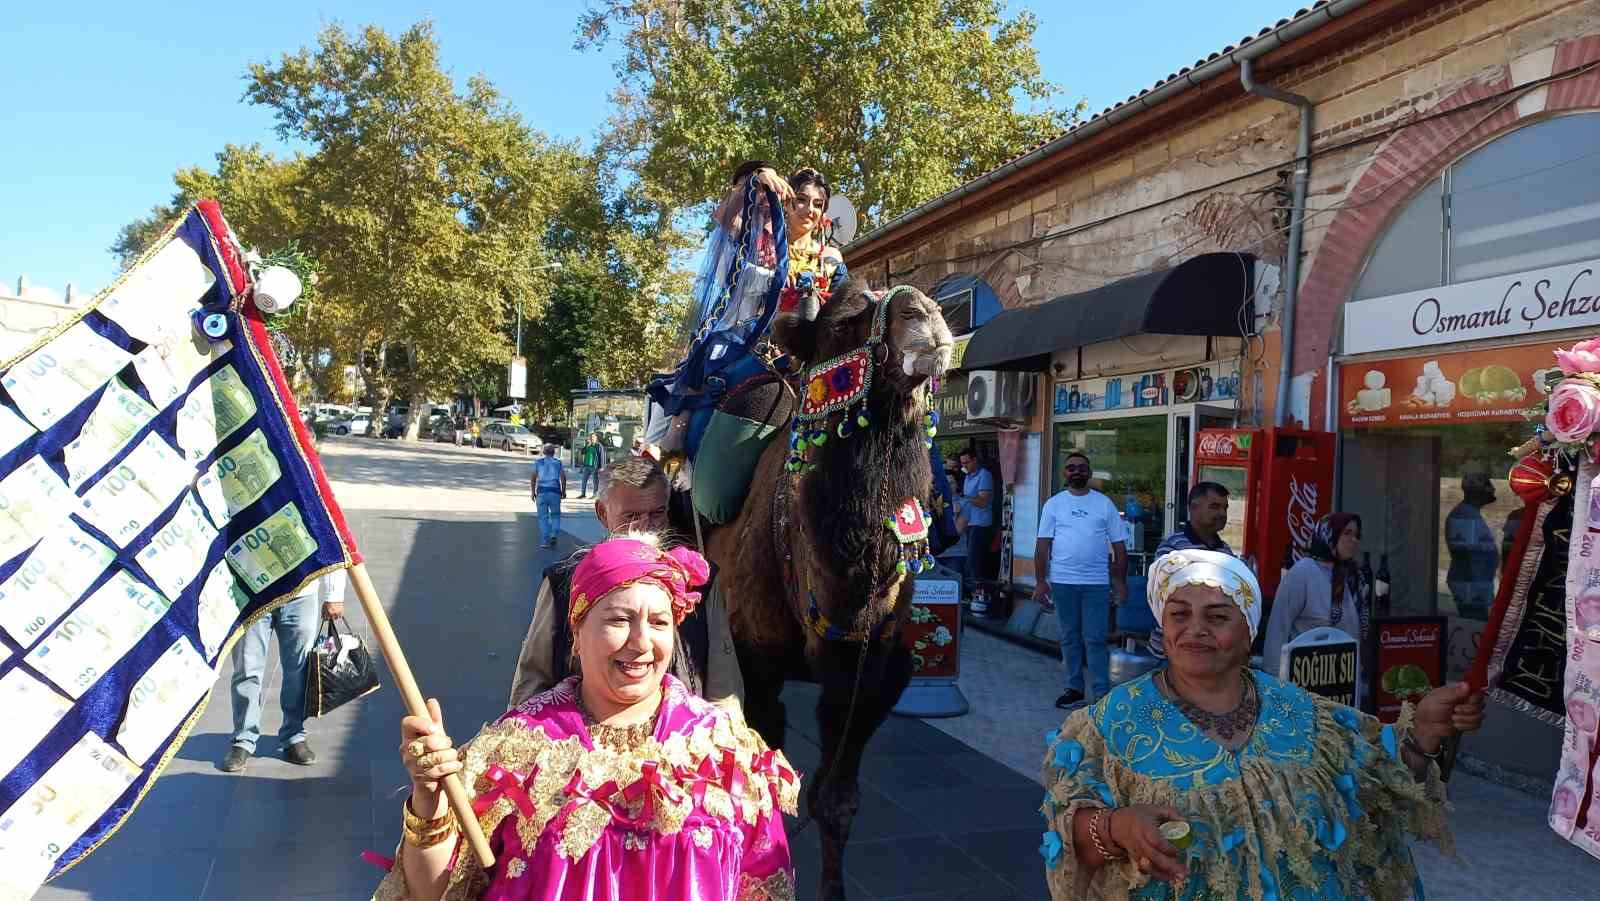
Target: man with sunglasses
{"points": [[1080, 563], [634, 496]]}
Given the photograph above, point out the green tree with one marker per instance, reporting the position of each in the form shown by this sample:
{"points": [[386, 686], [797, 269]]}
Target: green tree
{"points": [[427, 201], [895, 100]]}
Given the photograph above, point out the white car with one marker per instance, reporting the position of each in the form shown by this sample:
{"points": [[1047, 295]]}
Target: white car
{"points": [[356, 425], [508, 437]]}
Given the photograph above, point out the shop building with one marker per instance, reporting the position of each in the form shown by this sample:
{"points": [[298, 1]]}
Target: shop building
{"points": [[1407, 186]]}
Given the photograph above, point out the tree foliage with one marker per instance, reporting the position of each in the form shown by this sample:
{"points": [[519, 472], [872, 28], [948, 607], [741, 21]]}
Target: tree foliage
{"points": [[427, 201], [896, 101]]}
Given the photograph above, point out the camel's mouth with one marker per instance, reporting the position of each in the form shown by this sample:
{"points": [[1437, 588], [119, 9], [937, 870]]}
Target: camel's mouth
{"points": [[929, 361]]}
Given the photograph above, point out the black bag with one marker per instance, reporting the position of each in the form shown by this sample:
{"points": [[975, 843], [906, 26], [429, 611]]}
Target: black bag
{"points": [[339, 669]]}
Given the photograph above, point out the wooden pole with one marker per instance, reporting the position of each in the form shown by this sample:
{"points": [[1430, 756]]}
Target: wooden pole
{"points": [[454, 791]]}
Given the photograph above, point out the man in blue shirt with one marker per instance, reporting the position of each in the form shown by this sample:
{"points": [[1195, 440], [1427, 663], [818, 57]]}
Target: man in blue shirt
{"points": [[976, 507], [549, 485], [1208, 516]]}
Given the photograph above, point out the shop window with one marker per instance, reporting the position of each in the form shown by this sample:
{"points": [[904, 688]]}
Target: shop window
{"points": [[1437, 502], [1130, 467], [1526, 200], [957, 310]]}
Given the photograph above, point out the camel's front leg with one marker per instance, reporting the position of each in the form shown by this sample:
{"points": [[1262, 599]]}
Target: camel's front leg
{"points": [[835, 791]]}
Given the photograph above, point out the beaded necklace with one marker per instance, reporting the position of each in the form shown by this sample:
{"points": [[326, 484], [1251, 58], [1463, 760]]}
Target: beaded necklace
{"points": [[1231, 729]]}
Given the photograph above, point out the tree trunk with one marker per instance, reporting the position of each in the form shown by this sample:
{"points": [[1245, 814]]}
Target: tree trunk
{"points": [[414, 418]]}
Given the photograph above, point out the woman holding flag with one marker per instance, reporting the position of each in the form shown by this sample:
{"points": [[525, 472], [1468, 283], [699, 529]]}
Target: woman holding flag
{"points": [[615, 784]]}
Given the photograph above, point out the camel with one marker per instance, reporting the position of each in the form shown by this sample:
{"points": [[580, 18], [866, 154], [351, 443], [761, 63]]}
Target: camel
{"points": [[810, 565]]}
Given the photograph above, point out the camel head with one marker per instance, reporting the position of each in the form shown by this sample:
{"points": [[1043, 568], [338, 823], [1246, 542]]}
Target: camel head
{"points": [[918, 342]]}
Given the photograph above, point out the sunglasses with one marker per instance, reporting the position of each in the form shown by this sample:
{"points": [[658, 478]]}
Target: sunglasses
{"points": [[1077, 467]]}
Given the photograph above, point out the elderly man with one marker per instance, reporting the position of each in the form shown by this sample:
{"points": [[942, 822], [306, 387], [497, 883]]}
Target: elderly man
{"points": [[633, 496], [1208, 516]]}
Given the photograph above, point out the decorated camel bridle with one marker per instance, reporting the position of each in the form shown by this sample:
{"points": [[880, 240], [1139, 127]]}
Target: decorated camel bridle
{"points": [[834, 404]]}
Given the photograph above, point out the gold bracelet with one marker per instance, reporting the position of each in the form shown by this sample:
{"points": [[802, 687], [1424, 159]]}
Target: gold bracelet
{"points": [[1094, 834], [428, 840], [418, 825]]}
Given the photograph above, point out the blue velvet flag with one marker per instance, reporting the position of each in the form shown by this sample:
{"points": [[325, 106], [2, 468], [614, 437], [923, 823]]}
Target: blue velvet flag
{"points": [[158, 493]]}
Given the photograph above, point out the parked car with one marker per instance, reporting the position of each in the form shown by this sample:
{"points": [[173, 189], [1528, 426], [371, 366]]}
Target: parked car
{"points": [[444, 429], [355, 425], [480, 429], [509, 437]]}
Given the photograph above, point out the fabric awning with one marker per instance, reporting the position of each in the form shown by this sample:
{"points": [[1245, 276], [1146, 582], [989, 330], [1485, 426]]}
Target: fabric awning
{"points": [[1210, 294]]}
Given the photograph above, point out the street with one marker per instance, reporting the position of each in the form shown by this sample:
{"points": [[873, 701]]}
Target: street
{"points": [[948, 806]]}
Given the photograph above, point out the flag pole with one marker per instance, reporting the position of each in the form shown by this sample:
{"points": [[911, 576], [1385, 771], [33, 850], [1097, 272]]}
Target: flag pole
{"points": [[454, 791]]}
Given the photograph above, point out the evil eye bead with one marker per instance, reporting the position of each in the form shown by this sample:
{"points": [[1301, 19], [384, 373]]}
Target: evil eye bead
{"points": [[916, 566], [214, 325]]}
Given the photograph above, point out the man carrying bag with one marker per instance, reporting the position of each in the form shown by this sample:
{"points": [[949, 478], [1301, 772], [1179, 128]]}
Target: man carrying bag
{"points": [[339, 668]]}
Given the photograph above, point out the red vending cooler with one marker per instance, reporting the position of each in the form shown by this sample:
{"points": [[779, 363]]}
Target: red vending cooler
{"points": [[1279, 481]]}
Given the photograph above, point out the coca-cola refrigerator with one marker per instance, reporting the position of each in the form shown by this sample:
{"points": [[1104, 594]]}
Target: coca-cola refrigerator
{"points": [[1279, 481]]}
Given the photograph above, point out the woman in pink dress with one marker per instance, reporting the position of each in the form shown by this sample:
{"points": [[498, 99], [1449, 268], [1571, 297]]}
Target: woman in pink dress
{"points": [[615, 784]]}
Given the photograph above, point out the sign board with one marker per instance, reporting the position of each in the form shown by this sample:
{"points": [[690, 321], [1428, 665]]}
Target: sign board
{"points": [[594, 384], [1497, 385], [1324, 662], [933, 630], [951, 402], [517, 379], [1212, 382], [1411, 657], [1541, 300], [958, 351]]}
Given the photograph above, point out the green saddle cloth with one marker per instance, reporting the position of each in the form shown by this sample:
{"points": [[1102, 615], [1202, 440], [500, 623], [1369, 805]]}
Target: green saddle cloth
{"points": [[725, 463]]}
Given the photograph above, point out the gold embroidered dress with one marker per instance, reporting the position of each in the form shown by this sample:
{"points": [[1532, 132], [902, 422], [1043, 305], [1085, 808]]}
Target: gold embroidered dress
{"points": [[1316, 805], [692, 812]]}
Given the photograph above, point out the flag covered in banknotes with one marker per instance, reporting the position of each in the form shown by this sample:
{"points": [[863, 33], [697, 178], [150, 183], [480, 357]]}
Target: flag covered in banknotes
{"points": [[158, 492]]}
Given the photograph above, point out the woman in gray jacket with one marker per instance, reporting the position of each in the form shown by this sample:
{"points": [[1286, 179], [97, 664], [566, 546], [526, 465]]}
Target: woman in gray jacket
{"points": [[1322, 589]]}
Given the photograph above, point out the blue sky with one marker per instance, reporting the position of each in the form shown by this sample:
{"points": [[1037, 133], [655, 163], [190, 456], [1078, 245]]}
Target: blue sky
{"points": [[105, 100]]}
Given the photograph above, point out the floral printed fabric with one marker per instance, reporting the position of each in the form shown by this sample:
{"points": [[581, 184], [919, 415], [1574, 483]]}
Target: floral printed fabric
{"points": [[1315, 806]]}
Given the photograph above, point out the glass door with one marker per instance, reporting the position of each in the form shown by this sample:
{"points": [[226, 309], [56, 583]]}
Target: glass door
{"points": [[1129, 456]]}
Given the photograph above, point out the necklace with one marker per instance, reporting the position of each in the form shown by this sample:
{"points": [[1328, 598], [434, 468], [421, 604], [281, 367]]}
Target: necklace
{"points": [[621, 739], [1230, 728]]}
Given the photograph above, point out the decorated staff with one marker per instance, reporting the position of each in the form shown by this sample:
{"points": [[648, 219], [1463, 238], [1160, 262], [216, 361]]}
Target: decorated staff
{"points": [[1540, 652]]}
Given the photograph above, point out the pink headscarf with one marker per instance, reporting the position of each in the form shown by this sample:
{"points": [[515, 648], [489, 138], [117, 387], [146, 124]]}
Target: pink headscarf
{"points": [[621, 562]]}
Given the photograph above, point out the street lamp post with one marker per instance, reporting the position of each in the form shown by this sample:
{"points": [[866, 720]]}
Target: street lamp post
{"points": [[556, 265]]}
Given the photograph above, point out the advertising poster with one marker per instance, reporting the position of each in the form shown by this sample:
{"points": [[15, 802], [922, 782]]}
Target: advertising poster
{"points": [[1472, 386], [1411, 655], [1217, 381], [933, 631], [1325, 669]]}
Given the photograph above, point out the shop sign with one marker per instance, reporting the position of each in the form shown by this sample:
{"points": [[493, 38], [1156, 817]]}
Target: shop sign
{"points": [[1542, 300], [1226, 444], [933, 628], [1327, 669], [1472, 386], [1411, 660], [951, 402], [958, 351], [1217, 381]]}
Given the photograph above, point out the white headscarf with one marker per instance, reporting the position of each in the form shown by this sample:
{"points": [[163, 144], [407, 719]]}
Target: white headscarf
{"points": [[1213, 569]]}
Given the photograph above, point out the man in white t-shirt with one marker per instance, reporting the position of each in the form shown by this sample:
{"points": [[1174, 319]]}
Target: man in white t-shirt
{"points": [[1081, 564]]}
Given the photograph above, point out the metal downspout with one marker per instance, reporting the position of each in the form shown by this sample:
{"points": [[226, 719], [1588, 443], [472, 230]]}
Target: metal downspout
{"points": [[1297, 222]]}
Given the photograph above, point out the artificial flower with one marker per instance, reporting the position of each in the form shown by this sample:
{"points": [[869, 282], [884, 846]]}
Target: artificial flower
{"points": [[1583, 357], [1574, 411]]}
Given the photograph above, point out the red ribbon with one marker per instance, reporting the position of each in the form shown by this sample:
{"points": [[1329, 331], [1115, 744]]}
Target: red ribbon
{"points": [[506, 785], [766, 763], [650, 777]]}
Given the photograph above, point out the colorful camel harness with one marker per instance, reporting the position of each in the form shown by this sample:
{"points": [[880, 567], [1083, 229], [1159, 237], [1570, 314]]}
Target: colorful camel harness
{"points": [[834, 401]]}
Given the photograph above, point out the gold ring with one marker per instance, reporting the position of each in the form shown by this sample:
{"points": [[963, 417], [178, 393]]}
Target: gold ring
{"points": [[429, 761], [417, 749]]}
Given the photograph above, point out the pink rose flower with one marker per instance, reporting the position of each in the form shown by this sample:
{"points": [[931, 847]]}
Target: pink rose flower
{"points": [[1583, 357], [1581, 715], [1574, 411]]}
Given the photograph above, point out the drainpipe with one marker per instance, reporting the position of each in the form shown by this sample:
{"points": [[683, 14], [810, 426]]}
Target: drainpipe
{"points": [[1297, 220]]}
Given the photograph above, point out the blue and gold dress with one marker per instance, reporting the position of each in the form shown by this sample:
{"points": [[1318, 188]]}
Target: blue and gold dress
{"points": [[1315, 805]]}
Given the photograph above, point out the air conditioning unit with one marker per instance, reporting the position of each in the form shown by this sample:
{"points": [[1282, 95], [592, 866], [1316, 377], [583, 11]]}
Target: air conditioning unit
{"points": [[983, 394], [1001, 395]]}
